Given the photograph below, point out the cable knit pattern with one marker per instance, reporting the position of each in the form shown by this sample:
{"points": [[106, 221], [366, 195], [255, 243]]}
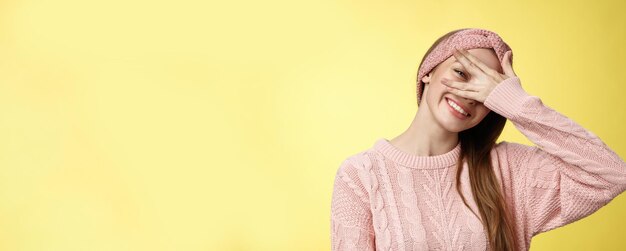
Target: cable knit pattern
{"points": [[440, 201], [391, 209], [477, 238], [387, 199], [351, 218], [412, 212]]}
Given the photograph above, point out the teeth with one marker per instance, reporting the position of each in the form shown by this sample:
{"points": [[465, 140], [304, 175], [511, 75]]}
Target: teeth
{"points": [[456, 107]]}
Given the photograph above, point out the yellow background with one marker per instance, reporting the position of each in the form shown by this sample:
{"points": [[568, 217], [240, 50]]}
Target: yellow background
{"points": [[195, 125]]}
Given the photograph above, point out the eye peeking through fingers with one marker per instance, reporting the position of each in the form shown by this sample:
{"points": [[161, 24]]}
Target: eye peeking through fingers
{"points": [[460, 73]]}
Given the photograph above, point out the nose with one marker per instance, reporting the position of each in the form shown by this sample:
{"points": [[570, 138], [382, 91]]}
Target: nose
{"points": [[470, 101]]}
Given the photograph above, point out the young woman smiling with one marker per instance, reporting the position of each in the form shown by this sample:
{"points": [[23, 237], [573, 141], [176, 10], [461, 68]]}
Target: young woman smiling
{"points": [[398, 194]]}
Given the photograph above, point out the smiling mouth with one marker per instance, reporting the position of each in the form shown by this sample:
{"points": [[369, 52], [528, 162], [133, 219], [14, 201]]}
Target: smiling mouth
{"points": [[457, 108]]}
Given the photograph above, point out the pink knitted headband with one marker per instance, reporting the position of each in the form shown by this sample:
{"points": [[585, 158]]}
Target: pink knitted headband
{"points": [[465, 39]]}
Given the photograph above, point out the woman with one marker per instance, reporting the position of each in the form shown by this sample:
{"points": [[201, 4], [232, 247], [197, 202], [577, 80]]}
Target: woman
{"points": [[397, 195]]}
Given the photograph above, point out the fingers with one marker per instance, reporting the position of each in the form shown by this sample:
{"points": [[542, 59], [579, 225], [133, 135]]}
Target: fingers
{"points": [[458, 85], [470, 61], [507, 66], [465, 62], [462, 93]]}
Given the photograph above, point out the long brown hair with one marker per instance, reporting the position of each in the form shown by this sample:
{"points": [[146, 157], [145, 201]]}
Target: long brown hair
{"points": [[476, 144]]}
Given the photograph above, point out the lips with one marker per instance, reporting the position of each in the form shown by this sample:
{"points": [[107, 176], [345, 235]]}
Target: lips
{"points": [[460, 105]]}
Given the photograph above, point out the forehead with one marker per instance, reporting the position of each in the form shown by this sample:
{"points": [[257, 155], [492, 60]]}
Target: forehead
{"points": [[485, 55]]}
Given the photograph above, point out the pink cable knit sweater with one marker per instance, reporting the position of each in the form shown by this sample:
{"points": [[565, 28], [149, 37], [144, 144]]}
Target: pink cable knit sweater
{"points": [[387, 199]]}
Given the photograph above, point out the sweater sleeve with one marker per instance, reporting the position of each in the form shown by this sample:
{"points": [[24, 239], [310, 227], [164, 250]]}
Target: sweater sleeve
{"points": [[569, 175], [350, 217]]}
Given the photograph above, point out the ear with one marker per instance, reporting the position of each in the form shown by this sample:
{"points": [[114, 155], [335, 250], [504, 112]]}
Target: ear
{"points": [[426, 79]]}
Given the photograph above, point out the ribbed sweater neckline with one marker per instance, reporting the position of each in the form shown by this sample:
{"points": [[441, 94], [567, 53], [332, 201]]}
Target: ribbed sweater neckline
{"points": [[390, 151]]}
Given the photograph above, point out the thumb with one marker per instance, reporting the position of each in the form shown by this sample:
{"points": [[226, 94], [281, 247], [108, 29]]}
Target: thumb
{"points": [[507, 66]]}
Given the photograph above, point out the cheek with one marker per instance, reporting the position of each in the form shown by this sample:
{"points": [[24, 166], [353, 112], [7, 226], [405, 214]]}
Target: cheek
{"points": [[482, 111], [438, 89]]}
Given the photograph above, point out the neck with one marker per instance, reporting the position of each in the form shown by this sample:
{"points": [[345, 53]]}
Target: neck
{"points": [[425, 137]]}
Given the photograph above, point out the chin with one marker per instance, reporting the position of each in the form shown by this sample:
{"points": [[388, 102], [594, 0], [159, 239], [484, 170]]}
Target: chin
{"points": [[457, 130], [452, 124]]}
